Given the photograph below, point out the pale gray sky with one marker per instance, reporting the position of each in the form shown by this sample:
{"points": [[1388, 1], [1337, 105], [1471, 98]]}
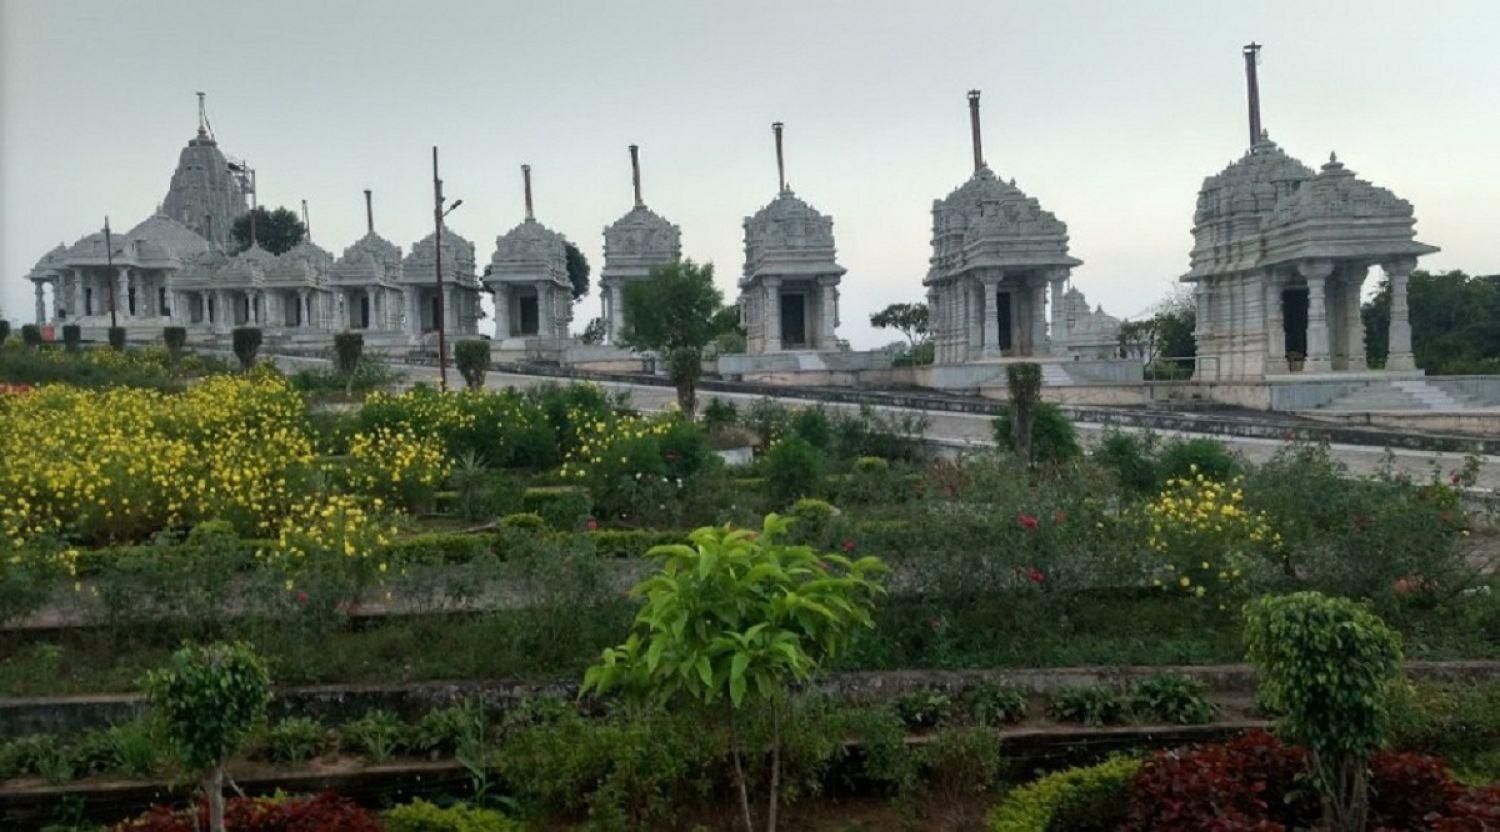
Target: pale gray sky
{"points": [[1110, 113]]}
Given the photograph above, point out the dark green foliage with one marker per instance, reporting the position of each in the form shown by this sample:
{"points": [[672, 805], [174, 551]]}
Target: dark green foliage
{"points": [[348, 348], [1131, 458], [1053, 439], [1091, 705], [720, 413], [990, 704], [421, 816], [132, 749], [523, 520], [72, 337], [371, 373], [924, 709], [449, 730], [920, 355], [1455, 322], [483, 494], [294, 740], [578, 271], [117, 338], [677, 311], [175, 338], [472, 357], [1089, 799], [1459, 721], [793, 468], [31, 335], [594, 332], [247, 341], [910, 319], [1185, 458], [4, 331], [811, 425], [275, 231], [560, 508], [960, 761], [39, 755], [210, 698], [377, 735], [1023, 384], [1172, 697]]}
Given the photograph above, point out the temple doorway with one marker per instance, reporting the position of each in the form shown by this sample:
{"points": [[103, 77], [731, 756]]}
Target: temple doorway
{"points": [[1002, 320], [530, 316], [793, 320], [1294, 324]]}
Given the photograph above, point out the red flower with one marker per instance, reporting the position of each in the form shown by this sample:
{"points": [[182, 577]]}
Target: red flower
{"points": [[848, 545], [1026, 521], [1060, 517], [591, 524], [1035, 574], [302, 597]]}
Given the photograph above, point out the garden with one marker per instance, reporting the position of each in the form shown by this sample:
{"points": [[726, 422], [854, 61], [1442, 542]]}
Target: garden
{"points": [[234, 598]]}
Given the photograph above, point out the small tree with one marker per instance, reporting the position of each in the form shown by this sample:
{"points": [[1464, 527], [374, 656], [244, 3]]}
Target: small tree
{"points": [[210, 697], [1325, 664], [473, 359], [594, 332], [733, 620], [31, 335], [677, 311], [247, 340], [1024, 383], [175, 337], [348, 348], [275, 231], [578, 271], [72, 337], [117, 338], [910, 319], [4, 331]]}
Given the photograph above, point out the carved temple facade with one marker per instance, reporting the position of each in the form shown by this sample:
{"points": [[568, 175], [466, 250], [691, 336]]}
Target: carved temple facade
{"points": [[633, 245]]}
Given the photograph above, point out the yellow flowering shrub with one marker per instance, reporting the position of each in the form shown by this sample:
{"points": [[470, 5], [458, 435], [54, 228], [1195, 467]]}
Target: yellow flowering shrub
{"points": [[501, 427], [1201, 540], [398, 465], [609, 442], [120, 464], [338, 526]]}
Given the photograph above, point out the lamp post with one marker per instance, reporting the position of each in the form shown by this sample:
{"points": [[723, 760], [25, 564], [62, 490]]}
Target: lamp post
{"points": [[109, 260], [439, 307]]}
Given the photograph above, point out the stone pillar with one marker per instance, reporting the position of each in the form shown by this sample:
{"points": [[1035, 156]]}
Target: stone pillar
{"points": [[1316, 273], [450, 311], [41, 302], [223, 315], [616, 311], [990, 317], [1354, 322], [502, 312], [1399, 357], [773, 313], [78, 308], [1059, 279], [122, 292], [974, 319], [1040, 344], [827, 339], [1275, 326]]}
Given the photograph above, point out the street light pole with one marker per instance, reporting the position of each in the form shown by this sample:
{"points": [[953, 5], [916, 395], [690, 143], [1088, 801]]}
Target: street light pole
{"points": [[437, 250]]}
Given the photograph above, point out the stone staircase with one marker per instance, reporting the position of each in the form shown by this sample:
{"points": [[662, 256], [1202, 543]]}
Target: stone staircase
{"points": [[1404, 394], [1055, 375]]}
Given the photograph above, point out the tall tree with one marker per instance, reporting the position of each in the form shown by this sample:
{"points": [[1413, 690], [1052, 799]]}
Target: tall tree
{"points": [[578, 271], [276, 231], [1455, 322], [910, 319], [677, 311]]}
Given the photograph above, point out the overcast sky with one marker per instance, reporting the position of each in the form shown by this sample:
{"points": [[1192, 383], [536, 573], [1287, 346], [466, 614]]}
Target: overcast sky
{"points": [[1110, 113]]}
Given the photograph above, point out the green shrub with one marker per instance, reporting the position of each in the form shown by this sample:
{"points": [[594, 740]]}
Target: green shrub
{"points": [[483, 494], [528, 520], [247, 341], [131, 748], [1053, 439], [472, 357], [117, 338], [960, 761], [924, 709], [719, 414], [1092, 705], [564, 509], [613, 544], [72, 337], [1172, 697], [793, 468], [812, 425], [1183, 458], [377, 735], [1458, 720], [421, 816], [871, 465], [294, 740], [449, 730], [40, 755], [1131, 458], [1089, 799], [440, 548], [348, 349], [990, 704], [4, 331], [31, 335], [813, 522], [175, 339]]}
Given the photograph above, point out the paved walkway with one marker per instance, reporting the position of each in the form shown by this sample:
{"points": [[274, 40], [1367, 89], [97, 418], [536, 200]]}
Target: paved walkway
{"points": [[961, 430]]}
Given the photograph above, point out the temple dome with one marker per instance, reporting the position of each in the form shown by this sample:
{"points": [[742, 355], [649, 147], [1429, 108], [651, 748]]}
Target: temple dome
{"points": [[532, 250], [789, 236], [1337, 214], [159, 237], [304, 263], [50, 264], [371, 258], [1232, 203], [642, 235], [989, 223], [458, 259]]}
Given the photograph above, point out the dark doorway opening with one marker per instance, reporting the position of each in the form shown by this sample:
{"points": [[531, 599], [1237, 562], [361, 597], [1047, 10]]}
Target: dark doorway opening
{"points": [[88, 301], [161, 301], [364, 312], [530, 316], [793, 320], [1002, 320], [130, 301], [1294, 324]]}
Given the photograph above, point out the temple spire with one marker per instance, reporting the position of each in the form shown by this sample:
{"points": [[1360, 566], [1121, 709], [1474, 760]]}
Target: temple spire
{"points": [[635, 173], [974, 130], [780, 160], [1252, 88], [202, 116], [369, 213], [526, 182], [306, 223]]}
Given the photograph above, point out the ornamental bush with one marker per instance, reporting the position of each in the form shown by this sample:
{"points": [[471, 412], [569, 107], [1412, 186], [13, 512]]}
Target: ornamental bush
{"points": [[472, 357], [4, 331], [175, 339], [1052, 437], [399, 466], [72, 337], [1076, 799], [1092, 705], [326, 811], [421, 816], [1325, 665], [1172, 697], [31, 335], [1201, 541], [793, 468], [247, 341], [210, 698], [348, 349], [994, 705], [117, 338]]}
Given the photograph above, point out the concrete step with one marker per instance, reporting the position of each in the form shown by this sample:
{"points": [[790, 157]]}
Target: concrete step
{"points": [[1413, 394]]}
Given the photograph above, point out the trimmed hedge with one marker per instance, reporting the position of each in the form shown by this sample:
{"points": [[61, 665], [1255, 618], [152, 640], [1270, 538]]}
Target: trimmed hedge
{"points": [[421, 816], [1092, 797]]}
